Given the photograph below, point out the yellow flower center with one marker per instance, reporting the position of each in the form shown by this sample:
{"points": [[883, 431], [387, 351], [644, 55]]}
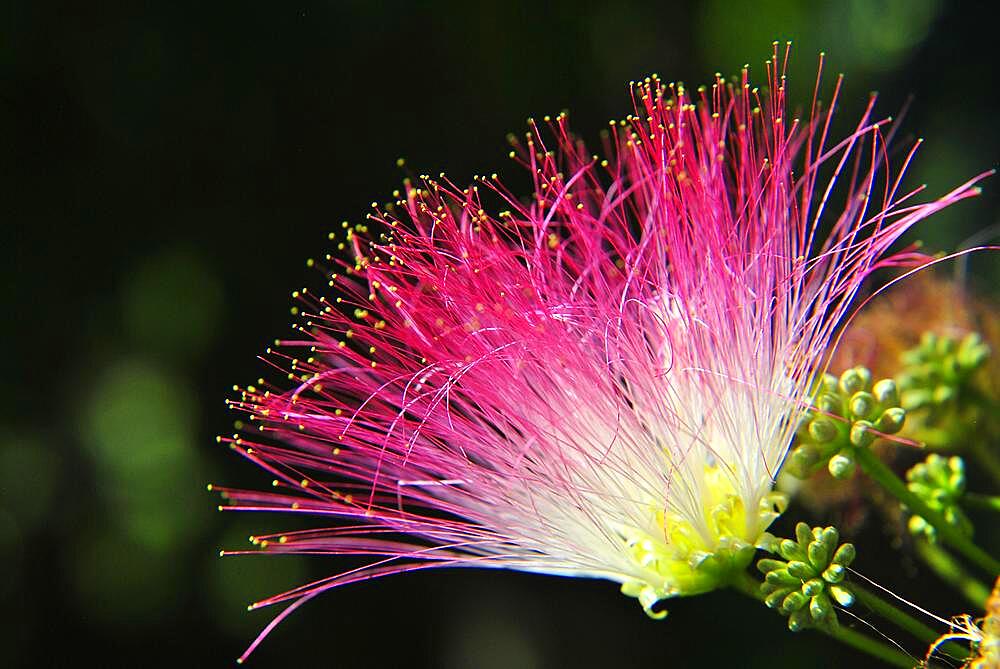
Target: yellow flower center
{"points": [[689, 558]]}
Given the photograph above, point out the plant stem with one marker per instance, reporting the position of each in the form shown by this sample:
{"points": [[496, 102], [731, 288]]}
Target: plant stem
{"points": [[885, 477], [891, 613], [987, 458], [866, 644], [905, 621], [750, 587], [952, 573], [987, 502]]}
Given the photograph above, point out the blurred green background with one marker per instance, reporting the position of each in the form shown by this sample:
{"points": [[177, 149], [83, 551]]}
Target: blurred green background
{"points": [[168, 167]]}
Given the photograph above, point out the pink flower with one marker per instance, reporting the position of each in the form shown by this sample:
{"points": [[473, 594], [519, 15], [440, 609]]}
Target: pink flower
{"points": [[603, 379]]}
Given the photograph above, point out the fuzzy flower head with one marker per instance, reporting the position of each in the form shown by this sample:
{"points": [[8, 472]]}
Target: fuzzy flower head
{"points": [[599, 380]]}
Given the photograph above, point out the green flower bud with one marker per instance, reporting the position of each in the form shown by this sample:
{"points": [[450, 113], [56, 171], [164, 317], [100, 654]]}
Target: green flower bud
{"points": [[972, 352], [842, 595], [820, 607], [766, 565], [891, 421], [802, 460], [956, 474], [775, 599], [854, 379], [844, 555], [835, 573], [803, 534], [917, 525], [940, 482], [793, 602], [798, 620], [819, 555], [767, 588], [860, 434], [790, 550], [862, 404], [944, 345], [886, 393], [813, 587], [800, 570], [828, 403], [822, 429], [829, 383], [918, 398], [841, 466], [943, 394], [782, 577]]}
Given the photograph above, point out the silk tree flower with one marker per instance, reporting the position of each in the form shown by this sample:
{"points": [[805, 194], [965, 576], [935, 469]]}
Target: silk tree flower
{"points": [[601, 380]]}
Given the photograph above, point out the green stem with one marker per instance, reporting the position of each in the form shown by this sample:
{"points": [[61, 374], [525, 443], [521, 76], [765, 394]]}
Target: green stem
{"points": [[866, 644], [891, 613], [885, 477], [904, 620], [750, 587], [986, 502], [987, 458], [952, 573]]}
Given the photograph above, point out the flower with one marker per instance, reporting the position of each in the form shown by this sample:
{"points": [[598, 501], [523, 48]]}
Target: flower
{"points": [[599, 381]]}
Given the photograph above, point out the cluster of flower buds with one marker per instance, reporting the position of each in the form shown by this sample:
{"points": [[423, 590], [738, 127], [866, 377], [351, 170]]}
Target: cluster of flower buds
{"points": [[940, 483], [846, 411], [937, 367], [805, 584]]}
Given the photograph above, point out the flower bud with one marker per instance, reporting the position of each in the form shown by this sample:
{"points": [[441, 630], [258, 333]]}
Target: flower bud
{"points": [[891, 421], [861, 436], [854, 379], [844, 555], [766, 565], [801, 570], [803, 534], [820, 607], [918, 398], [822, 430], [928, 341], [943, 394], [945, 346], [829, 403], [972, 352], [842, 595], [812, 587], [790, 550], [775, 599], [782, 577], [819, 554], [798, 620], [793, 602], [862, 404], [835, 573], [886, 393], [801, 460], [841, 466]]}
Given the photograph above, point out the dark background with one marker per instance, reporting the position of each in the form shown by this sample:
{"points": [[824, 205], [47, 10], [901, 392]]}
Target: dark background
{"points": [[166, 170]]}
